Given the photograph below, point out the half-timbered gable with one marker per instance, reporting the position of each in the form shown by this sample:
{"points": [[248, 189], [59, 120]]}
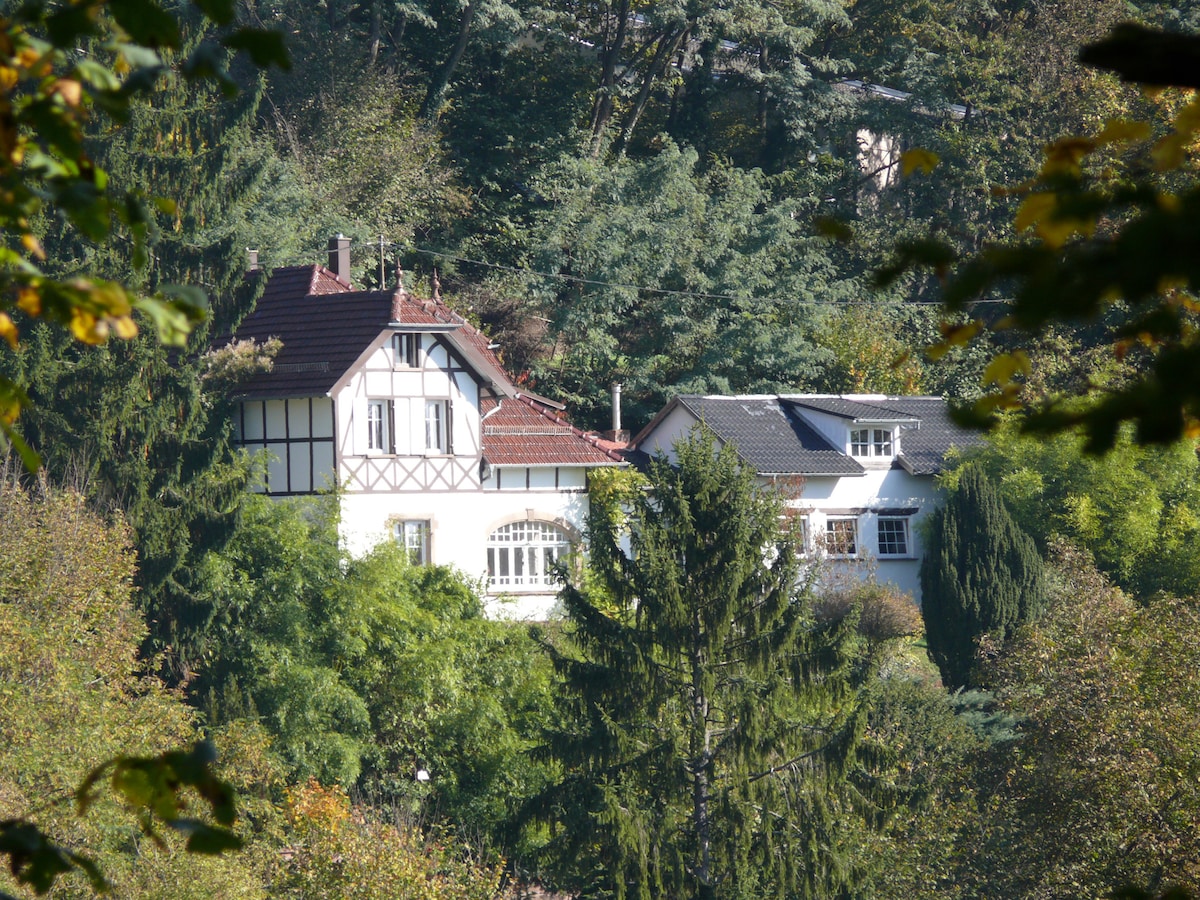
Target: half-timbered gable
{"points": [[403, 405]]}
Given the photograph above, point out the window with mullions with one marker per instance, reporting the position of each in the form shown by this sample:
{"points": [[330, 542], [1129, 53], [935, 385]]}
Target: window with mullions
{"points": [[841, 537], [437, 426], [414, 535], [871, 442], [406, 351], [522, 554], [379, 426], [893, 537]]}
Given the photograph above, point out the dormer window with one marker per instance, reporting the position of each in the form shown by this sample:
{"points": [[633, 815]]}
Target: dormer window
{"points": [[871, 442]]}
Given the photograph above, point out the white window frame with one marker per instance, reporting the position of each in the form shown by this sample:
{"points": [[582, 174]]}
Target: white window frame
{"points": [[836, 544], [413, 534], [901, 539], [406, 350], [872, 442], [379, 427], [522, 554], [437, 426]]}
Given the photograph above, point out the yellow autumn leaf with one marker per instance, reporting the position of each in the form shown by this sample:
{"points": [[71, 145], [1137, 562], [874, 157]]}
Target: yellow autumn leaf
{"points": [[29, 301], [69, 89], [111, 298], [1064, 155], [124, 327], [86, 328], [917, 159], [1003, 368], [8, 330], [10, 407], [1169, 203], [1187, 120], [33, 245], [1169, 152], [1034, 209], [1055, 232], [1123, 131]]}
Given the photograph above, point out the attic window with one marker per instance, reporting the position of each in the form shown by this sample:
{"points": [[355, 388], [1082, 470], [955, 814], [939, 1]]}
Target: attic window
{"points": [[406, 351], [867, 442]]}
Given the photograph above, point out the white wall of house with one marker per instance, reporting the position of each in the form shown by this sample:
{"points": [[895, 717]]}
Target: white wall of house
{"points": [[460, 524], [409, 470], [884, 491], [890, 494]]}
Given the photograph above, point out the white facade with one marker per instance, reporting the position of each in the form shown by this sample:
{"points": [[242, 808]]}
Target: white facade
{"points": [[844, 470], [402, 433]]}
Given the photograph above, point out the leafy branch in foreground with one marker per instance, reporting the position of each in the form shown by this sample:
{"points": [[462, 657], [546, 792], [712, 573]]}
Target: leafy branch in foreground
{"points": [[59, 65], [156, 788], [1115, 221]]}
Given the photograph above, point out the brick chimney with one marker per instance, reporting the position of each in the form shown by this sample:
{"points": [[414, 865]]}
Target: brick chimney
{"points": [[339, 257]]}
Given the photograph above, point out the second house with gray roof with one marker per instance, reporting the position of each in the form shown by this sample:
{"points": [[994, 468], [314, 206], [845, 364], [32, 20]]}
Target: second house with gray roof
{"points": [[858, 469]]}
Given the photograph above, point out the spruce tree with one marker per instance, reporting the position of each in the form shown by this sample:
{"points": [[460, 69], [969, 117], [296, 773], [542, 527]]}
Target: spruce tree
{"points": [[705, 711], [981, 575]]}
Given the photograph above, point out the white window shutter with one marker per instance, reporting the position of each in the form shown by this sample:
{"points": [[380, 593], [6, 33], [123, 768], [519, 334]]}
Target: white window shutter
{"points": [[358, 427]]}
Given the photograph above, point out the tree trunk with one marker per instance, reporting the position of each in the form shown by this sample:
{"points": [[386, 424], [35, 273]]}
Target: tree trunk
{"points": [[376, 34], [431, 107], [602, 107], [702, 757], [667, 45]]}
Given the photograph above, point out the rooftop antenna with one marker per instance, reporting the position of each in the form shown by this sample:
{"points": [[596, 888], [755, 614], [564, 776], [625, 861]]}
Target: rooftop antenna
{"points": [[381, 262]]}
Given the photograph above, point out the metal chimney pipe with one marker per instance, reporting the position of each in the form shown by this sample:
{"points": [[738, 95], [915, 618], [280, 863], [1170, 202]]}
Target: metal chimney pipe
{"points": [[616, 406], [251, 260]]}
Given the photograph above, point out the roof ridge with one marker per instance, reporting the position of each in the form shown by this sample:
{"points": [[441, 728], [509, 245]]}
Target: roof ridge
{"points": [[319, 271]]}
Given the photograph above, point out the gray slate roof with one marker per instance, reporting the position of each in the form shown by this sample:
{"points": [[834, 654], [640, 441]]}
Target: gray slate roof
{"points": [[770, 436], [925, 447]]}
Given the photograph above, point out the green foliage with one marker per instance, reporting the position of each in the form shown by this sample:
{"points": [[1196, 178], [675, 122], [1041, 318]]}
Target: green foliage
{"points": [[981, 576], [50, 90], [728, 276], [132, 426], [336, 850], [1101, 789], [705, 721], [1134, 509], [78, 709], [867, 358], [1112, 215], [371, 667]]}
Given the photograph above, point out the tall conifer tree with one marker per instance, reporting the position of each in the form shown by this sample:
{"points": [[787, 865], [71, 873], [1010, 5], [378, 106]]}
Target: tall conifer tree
{"points": [[981, 575], [705, 711]]}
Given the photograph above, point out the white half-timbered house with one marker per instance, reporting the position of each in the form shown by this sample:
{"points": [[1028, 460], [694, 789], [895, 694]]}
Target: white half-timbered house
{"points": [[403, 405]]}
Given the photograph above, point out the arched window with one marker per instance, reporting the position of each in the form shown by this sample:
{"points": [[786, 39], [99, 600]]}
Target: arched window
{"points": [[521, 554]]}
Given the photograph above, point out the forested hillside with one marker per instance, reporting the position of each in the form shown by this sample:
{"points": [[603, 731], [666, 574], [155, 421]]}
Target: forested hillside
{"points": [[681, 198]]}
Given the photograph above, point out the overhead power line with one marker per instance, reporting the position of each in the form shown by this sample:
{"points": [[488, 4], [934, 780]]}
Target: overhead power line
{"points": [[375, 246]]}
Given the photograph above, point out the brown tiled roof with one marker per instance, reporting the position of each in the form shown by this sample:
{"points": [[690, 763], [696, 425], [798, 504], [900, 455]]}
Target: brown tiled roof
{"points": [[325, 325], [526, 432]]}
